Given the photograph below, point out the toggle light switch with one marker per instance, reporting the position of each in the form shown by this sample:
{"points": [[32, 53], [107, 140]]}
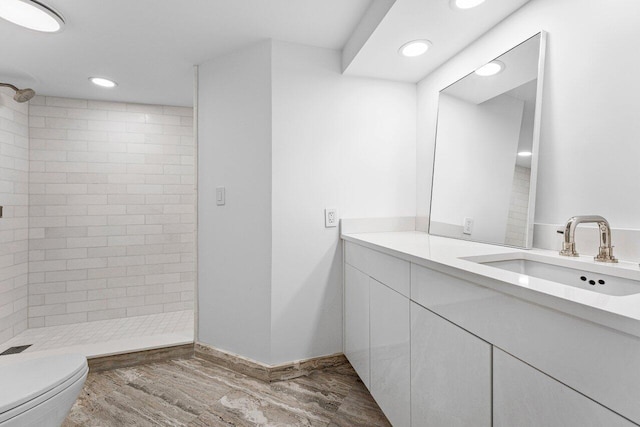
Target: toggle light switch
{"points": [[220, 196], [467, 226]]}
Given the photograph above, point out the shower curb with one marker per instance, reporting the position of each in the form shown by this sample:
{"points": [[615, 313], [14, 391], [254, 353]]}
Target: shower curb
{"points": [[125, 360]]}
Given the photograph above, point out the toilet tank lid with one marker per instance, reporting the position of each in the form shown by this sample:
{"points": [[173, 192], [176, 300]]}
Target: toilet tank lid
{"points": [[23, 380]]}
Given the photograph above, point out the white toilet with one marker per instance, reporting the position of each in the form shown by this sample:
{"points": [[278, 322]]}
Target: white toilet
{"points": [[40, 391]]}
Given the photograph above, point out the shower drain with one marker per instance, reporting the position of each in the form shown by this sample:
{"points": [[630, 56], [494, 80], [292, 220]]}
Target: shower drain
{"points": [[15, 350]]}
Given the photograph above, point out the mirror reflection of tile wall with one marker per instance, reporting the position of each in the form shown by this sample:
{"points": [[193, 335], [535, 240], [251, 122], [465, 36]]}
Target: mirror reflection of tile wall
{"points": [[518, 204]]}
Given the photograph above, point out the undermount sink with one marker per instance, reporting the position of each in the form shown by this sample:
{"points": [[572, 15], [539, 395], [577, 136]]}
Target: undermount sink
{"points": [[588, 276]]}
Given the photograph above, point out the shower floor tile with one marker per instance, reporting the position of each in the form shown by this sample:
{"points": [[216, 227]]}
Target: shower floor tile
{"points": [[108, 337]]}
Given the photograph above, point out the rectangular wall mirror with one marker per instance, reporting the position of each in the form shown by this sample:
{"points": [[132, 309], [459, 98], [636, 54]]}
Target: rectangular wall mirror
{"points": [[485, 162]]}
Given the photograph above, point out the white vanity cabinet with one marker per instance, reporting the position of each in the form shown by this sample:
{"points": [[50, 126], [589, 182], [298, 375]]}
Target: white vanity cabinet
{"points": [[526, 397], [376, 332], [450, 374], [439, 345]]}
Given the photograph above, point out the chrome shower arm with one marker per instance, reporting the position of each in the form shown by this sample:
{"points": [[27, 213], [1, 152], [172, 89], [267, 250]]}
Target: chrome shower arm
{"points": [[9, 85]]}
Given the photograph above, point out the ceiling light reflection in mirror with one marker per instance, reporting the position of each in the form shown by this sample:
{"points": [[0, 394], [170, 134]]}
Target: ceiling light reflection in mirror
{"points": [[490, 69], [465, 4]]}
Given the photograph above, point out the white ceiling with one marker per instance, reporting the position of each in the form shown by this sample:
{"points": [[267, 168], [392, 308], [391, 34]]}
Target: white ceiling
{"points": [[150, 46], [449, 29]]}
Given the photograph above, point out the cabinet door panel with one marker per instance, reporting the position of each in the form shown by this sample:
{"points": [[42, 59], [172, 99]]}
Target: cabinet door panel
{"points": [[356, 321], [525, 397], [450, 374], [390, 353]]}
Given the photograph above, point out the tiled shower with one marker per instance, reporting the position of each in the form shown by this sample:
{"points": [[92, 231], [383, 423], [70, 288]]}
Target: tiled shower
{"points": [[14, 234], [99, 216]]}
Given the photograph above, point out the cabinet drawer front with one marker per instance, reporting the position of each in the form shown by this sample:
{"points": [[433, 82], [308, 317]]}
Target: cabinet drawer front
{"points": [[525, 397], [431, 288], [391, 271]]}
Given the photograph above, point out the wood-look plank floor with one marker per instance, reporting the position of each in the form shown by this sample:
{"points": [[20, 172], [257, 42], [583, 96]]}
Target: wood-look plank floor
{"points": [[198, 393]]}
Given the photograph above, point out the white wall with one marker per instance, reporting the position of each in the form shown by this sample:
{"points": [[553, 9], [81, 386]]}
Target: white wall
{"points": [[112, 204], [341, 142], [589, 147], [288, 135], [476, 156], [234, 241], [14, 185]]}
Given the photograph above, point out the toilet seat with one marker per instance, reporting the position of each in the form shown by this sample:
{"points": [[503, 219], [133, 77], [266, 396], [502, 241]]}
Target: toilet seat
{"points": [[28, 383]]}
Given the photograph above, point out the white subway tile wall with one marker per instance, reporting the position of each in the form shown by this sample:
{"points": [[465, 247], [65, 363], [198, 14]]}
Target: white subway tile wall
{"points": [[112, 210], [518, 207], [14, 185]]}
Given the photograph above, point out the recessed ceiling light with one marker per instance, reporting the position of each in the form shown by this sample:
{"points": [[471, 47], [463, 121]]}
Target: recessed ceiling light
{"points": [[31, 14], [415, 48], [102, 82], [491, 69], [525, 153], [465, 4]]}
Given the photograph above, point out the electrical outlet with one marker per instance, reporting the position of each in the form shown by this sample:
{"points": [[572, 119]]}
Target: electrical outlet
{"points": [[467, 226], [330, 217]]}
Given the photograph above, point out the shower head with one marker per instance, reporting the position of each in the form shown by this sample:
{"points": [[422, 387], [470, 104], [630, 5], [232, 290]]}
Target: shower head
{"points": [[22, 95]]}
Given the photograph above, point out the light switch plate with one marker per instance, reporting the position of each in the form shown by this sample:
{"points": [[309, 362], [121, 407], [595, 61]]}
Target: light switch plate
{"points": [[220, 196], [330, 217], [467, 226]]}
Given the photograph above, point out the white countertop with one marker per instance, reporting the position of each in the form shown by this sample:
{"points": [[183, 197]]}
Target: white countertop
{"points": [[444, 254]]}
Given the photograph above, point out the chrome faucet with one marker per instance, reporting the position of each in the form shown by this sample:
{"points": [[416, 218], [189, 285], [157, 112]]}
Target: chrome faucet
{"points": [[605, 253]]}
